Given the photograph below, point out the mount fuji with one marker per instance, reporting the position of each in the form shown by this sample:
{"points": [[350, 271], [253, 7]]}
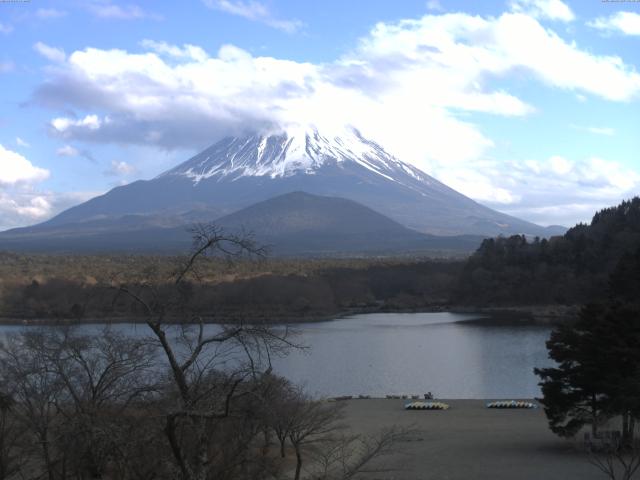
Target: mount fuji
{"points": [[238, 172]]}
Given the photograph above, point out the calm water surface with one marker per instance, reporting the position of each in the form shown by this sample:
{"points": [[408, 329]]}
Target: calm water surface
{"points": [[451, 355]]}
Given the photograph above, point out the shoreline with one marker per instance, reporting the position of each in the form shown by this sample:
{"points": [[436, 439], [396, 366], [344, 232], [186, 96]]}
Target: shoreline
{"points": [[529, 315]]}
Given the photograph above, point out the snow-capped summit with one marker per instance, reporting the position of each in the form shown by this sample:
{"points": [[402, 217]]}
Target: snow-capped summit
{"points": [[237, 172], [297, 150]]}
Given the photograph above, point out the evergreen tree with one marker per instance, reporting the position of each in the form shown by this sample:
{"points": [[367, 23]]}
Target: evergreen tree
{"points": [[598, 371], [574, 391]]}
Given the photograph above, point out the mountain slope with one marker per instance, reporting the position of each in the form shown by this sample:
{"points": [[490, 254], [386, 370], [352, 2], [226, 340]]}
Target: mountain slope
{"points": [[291, 224], [238, 172], [300, 223]]}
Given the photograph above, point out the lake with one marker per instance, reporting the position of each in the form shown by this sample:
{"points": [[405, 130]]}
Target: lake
{"points": [[450, 355]]}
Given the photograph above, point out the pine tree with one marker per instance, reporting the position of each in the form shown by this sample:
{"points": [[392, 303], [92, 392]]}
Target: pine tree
{"points": [[597, 376], [574, 391]]}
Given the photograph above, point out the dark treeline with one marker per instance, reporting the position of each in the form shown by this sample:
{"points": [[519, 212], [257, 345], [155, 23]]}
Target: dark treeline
{"points": [[567, 270], [274, 296], [594, 381], [572, 269]]}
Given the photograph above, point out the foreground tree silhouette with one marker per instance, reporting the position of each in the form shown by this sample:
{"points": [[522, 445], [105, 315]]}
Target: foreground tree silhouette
{"points": [[598, 371], [208, 380], [70, 392], [574, 391], [188, 401], [11, 459]]}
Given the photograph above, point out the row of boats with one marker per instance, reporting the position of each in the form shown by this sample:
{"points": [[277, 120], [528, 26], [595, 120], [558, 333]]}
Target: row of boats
{"points": [[426, 406], [444, 406], [511, 404]]}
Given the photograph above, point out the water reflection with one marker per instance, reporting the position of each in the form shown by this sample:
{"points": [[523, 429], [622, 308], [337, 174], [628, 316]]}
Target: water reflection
{"points": [[445, 353], [451, 355]]}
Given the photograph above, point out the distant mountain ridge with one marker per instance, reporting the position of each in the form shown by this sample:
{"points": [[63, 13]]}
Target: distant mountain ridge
{"points": [[230, 181], [293, 224], [239, 171], [300, 223]]}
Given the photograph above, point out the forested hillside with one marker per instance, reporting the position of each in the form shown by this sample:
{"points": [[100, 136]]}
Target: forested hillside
{"points": [[571, 269], [77, 287]]}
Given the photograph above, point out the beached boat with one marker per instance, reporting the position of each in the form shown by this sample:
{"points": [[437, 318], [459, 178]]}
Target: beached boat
{"points": [[511, 404], [426, 406]]}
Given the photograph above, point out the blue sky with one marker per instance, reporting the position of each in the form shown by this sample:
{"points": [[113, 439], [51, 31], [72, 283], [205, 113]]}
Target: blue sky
{"points": [[528, 106]]}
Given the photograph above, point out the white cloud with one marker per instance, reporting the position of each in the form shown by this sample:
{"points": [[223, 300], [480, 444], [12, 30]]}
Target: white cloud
{"points": [[71, 151], [21, 209], [477, 180], [67, 151], [627, 23], [189, 52], [435, 5], [50, 13], [607, 131], [407, 85], [21, 206], [120, 169], [65, 124], [254, 11], [550, 9], [561, 191], [5, 28], [22, 143], [560, 165], [181, 96], [111, 11], [557, 190], [14, 168], [21, 203], [50, 53]]}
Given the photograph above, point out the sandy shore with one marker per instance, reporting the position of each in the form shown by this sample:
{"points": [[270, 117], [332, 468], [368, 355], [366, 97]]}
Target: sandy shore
{"points": [[469, 441]]}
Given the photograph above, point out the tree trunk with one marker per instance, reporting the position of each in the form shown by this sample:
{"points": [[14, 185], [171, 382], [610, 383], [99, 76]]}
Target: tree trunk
{"points": [[282, 444], [625, 428], [594, 417], [267, 442], [202, 460], [170, 432], [47, 456], [298, 462]]}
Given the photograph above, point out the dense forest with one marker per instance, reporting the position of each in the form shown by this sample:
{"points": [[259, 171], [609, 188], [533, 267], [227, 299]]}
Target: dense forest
{"points": [[503, 272], [62, 288], [571, 269]]}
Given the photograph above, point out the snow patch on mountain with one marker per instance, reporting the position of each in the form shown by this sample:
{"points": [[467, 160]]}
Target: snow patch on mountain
{"points": [[297, 150]]}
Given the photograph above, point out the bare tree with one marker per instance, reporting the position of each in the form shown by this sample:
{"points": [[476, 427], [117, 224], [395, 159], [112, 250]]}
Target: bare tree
{"points": [[71, 393], [617, 460], [281, 401], [312, 422], [347, 456], [12, 457], [102, 375], [190, 401], [209, 369], [36, 391]]}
